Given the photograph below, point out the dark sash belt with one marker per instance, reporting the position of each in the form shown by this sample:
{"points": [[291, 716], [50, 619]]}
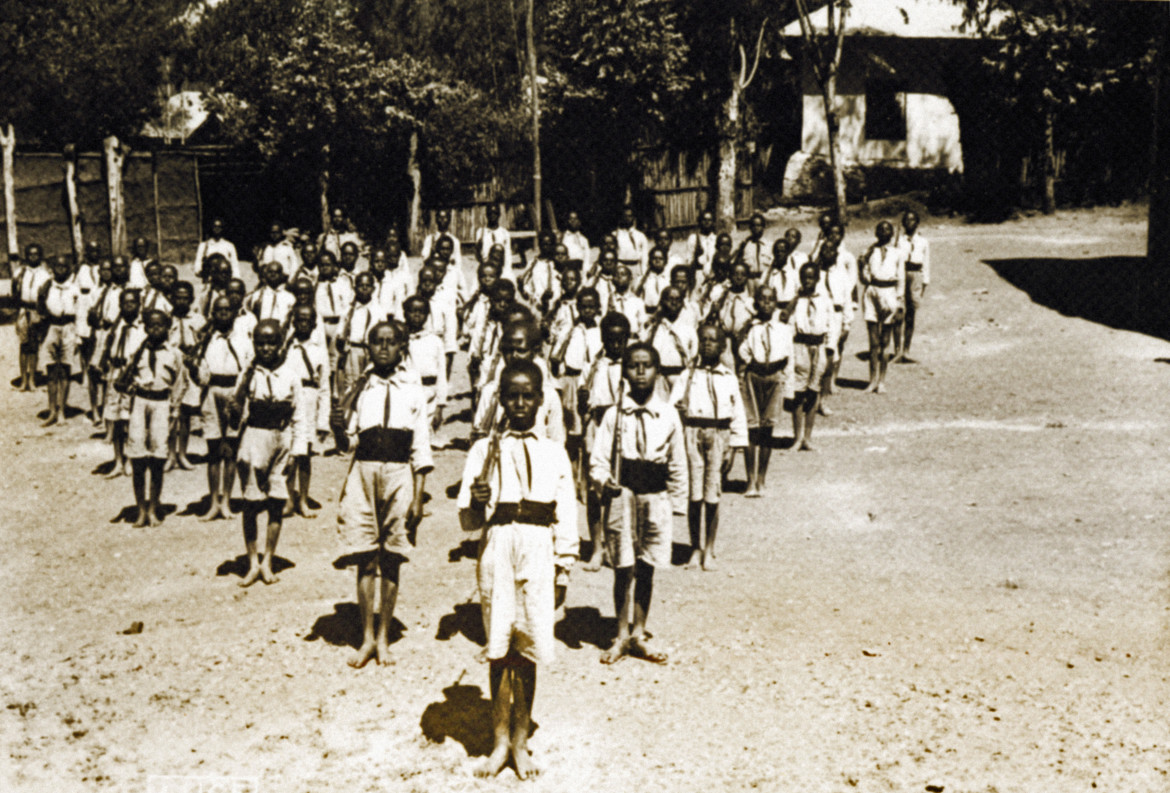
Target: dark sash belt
{"points": [[913, 267], [331, 320], [766, 369], [571, 372], [384, 445], [643, 477], [429, 379], [536, 513], [269, 414], [221, 380], [64, 319], [706, 424], [153, 394], [883, 284], [308, 382], [671, 371], [809, 338]]}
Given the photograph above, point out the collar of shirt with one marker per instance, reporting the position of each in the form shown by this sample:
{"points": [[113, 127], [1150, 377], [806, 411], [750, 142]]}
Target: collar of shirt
{"points": [[654, 406]]}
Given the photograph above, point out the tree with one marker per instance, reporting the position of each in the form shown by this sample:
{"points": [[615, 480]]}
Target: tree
{"points": [[823, 51], [76, 71], [614, 68]]}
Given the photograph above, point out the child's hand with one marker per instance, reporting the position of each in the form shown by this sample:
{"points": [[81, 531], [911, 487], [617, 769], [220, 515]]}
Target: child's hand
{"points": [[481, 494], [337, 420], [438, 420], [611, 489], [414, 513]]}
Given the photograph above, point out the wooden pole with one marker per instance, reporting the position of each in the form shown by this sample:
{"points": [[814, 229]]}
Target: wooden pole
{"points": [[198, 197], [8, 141], [71, 202], [158, 238], [1156, 284], [536, 203], [115, 156]]}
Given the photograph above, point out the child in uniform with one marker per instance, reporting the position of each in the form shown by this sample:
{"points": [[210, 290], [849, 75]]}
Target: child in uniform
{"points": [[186, 331], [916, 251], [271, 301], [223, 356], [600, 389], [124, 337], [519, 487], [27, 283], [425, 356], [574, 355], [334, 298], [521, 342], [883, 271], [309, 360], [672, 335], [765, 352], [153, 381], [654, 281], [476, 309], [385, 415], [813, 346], [57, 304], [838, 281], [623, 301], [441, 318], [363, 315], [639, 466], [102, 316], [710, 405], [264, 405]]}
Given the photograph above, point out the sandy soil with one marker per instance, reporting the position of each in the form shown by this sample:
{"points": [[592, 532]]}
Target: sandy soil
{"points": [[965, 589]]}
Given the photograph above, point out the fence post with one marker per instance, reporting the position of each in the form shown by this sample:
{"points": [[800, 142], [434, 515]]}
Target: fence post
{"points": [[8, 140], [115, 156], [70, 161]]}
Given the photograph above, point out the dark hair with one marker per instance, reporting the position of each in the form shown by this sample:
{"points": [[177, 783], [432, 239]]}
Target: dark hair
{"points": [[531, 331], [641, 346], [720, 333], [419, 299], [504, 285], [395, 326], [615, 320], [588, 291], [183, 285], [521, 367]]}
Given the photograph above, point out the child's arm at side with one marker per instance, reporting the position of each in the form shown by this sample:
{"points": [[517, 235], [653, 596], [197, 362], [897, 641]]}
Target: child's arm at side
{"points": [[678, 483], [739, 427], [600, 464], [471, 503], [565, 537], [421, 462]]}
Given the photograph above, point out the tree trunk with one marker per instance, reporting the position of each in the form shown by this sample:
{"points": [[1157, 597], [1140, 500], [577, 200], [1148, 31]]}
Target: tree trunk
{"points": [[71, 203], [158, 231], [414, 209], [1157, 281], [536, 201], [1049, 162], [115, 155], [323, 188], [8, 141], [829, 96], [728, 161]]}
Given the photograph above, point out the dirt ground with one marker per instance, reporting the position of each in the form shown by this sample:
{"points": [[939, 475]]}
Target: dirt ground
{"points": [[964, 589]]}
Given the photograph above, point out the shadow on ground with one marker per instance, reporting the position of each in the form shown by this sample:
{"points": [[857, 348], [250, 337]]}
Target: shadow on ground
{"points": [[464, 716], [343, 628], [1105, 290]]}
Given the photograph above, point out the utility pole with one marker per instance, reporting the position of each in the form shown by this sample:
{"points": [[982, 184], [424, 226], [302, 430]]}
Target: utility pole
{"points": [[535, 115]]}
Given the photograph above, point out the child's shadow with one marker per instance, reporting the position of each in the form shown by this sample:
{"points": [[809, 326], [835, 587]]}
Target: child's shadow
{"points": [[465, 619], [846, 382], [239, 566], [452, 491], [343, 628], [462, 416], [103, 468], [130, 514], [583, 625], [464, 716], [198, 507]]}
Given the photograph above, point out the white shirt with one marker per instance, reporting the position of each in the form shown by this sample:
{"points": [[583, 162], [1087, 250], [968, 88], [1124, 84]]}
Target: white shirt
{"points": [[916, 249], [529, 468], [632, 246], [213, 245], [485, 238], [550, 416], [334, 298], [632, 307], [676, 342], [767, 342], [582, 348], [650, 432], [578, 246], [712, 393], [283, 254], [396, 402], [269, 303], [706, 249], [426, 357], [432, 239]]}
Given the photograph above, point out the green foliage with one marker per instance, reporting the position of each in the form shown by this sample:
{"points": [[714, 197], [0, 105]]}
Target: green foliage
{"points": [[75, 71]]}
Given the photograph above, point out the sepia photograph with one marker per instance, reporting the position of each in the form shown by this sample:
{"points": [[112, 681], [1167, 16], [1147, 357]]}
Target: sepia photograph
{"points": [[585, 395]]}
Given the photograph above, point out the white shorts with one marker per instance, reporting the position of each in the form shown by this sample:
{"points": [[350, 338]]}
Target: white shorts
{"points": [[880, 303], [262, 463], [640, 528], [305, 408], [516, 577], [371, 514], [150, 428], [60, 347]]}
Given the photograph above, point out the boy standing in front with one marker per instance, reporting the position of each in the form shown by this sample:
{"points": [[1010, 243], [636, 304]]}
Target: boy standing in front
{"points": [[385, 415], [639, 465], [520, 487]]}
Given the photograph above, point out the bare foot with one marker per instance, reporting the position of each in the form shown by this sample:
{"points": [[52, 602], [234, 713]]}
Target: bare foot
{"points": [[881, 388], [871, 388], [616, 653], [709, 563], [824, 410], [251, 578], [267, 575], [115, 472], [215, 513], [153, 519], [97, 423], [141, 521], [695, 561], [752, 492], [494, 764], [525, 768], [383, 651], [185, 464], [640, 649], [594, 563], [289, 509], [50, 421], [303, 511], [805, 446], [169, 465], [363, 656]]}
